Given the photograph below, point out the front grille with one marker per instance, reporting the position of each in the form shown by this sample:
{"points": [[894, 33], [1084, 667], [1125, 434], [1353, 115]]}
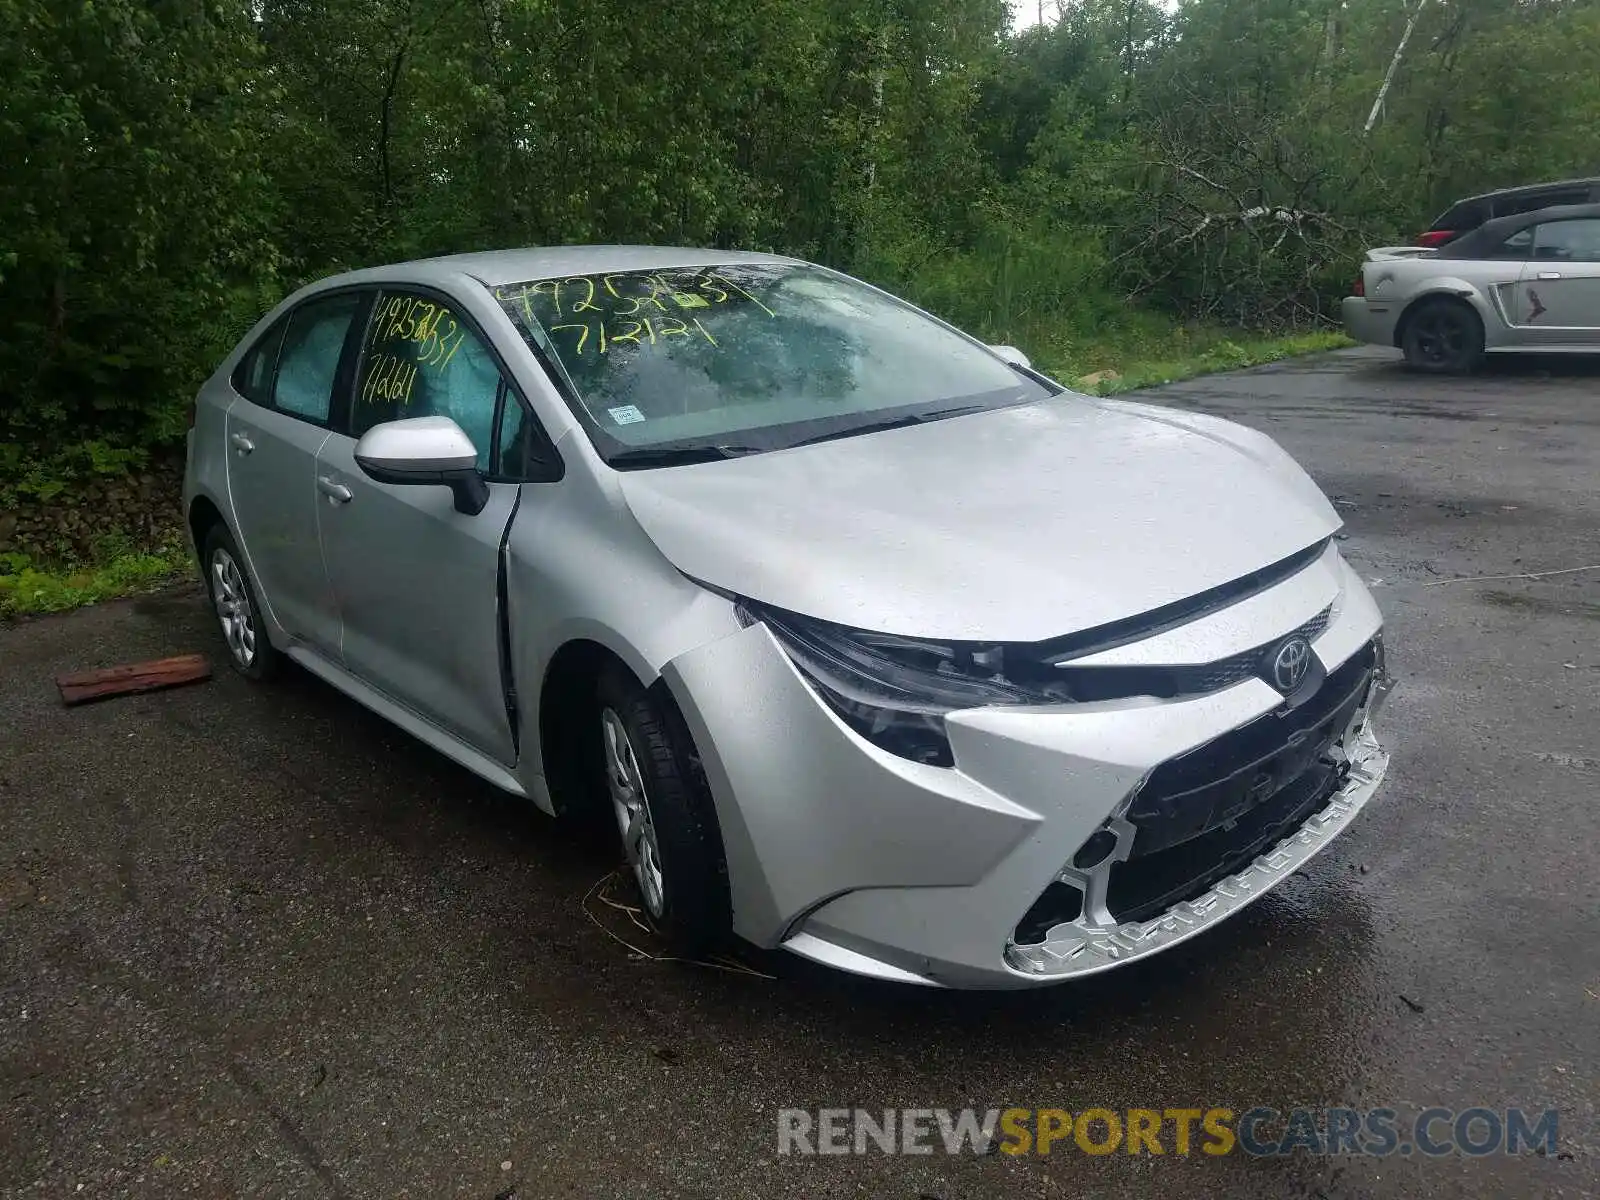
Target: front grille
{"points": [[1111, 683], [1202, 815]]}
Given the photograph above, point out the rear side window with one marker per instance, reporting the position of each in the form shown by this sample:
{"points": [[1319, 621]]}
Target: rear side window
{"points": [[1463, 217], [421, 359], [309, 360], [252, 378], [1508, 206]]}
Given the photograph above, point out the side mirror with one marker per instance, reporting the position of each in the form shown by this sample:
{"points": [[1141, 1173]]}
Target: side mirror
{"points": [[1012, 355], [428, 451]]}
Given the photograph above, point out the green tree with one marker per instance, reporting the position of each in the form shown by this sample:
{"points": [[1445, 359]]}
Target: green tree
{"points": [[134, 207]]}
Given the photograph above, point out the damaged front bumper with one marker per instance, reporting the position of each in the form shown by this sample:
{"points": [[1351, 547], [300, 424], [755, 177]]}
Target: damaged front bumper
{"points": [[871, 863], [1327, 763], [1088, 945]]}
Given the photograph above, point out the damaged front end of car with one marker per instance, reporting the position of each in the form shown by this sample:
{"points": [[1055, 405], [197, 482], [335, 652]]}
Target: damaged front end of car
{"points": [[1207, 832], [1012, 814]]}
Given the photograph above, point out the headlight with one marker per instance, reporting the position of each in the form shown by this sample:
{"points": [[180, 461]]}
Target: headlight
{"points": [[895, 691]]}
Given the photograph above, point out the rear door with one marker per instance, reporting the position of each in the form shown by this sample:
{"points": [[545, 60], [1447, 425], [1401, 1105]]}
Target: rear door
{"points": [[417, 581], [1559, 295], [273, 435]]}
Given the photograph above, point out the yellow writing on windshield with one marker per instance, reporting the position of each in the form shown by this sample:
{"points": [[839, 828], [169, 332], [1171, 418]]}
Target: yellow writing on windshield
{"points": [[595, 314], [602, 337]]}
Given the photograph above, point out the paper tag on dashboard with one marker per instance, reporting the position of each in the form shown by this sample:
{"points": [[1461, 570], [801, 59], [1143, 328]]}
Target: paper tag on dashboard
{"points": [[626, 414]]}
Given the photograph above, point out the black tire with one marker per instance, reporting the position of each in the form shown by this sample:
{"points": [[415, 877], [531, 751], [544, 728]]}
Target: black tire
{"points": [[692, 910], [249, 651], [1443, 337]]}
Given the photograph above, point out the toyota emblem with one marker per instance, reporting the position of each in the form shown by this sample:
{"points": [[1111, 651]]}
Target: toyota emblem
{"points": [[1290, 663]]}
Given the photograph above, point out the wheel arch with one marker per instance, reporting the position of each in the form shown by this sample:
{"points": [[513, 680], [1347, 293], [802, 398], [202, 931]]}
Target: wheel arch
{"points": [[567, 699], [202, 515], [567, 692], [1458, 291]]}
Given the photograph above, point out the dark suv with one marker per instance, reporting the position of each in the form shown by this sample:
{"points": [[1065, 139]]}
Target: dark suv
{"points": [[1466, 215]]}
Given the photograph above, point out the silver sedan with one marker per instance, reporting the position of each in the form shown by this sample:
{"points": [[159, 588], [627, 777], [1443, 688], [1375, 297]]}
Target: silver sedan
{"points": [[1529, 282], [870, 642]]}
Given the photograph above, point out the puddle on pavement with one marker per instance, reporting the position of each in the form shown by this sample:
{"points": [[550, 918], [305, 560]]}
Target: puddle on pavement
{"points": [[1542, 606]]}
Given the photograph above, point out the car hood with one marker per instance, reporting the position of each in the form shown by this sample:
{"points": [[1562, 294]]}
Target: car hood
{"points": [[1019, 524]]}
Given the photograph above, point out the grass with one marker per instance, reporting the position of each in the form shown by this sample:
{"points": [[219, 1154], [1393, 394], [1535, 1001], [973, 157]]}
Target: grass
{"points": [[1145, 355], [1043, 288], [28, 588]]}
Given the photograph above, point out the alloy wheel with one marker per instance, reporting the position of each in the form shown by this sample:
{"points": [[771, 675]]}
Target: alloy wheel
{"points": [[1442, 338], [632, 807], [232, 601]]}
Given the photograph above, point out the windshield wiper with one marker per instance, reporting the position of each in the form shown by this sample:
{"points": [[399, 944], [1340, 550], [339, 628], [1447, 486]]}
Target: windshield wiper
{"points": [[676, 456], [890, 423]]}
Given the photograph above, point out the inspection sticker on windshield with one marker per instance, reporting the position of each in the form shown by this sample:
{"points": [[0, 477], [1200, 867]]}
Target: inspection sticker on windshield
{"points": [[627, 414]]}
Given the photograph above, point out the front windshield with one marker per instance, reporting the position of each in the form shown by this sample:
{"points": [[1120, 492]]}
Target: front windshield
{"points": [[736, 359]]}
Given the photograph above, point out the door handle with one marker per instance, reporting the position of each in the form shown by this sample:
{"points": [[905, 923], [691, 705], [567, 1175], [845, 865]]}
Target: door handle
{"points": [[242, 444], [1549, 274], [336, 492]]}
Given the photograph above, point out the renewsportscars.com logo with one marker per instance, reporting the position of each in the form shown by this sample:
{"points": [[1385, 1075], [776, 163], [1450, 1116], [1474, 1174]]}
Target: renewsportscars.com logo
{"points": [[1432, 1132]]}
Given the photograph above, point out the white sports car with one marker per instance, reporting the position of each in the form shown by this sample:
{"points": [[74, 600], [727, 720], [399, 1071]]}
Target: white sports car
{"points": [[1528, 282]]}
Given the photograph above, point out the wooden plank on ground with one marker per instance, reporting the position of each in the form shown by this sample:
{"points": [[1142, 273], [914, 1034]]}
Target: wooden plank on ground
{"points": [[81, 687]]}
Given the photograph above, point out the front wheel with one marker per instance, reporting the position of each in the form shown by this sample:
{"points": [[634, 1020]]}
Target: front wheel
{"points": [[1443, 337], [663, 814]]}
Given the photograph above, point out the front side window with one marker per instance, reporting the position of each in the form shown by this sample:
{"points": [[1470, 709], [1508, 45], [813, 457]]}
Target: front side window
{"points": [[1568, 241], [743, 358], [312, 345], [525, 451], [422, 360]]}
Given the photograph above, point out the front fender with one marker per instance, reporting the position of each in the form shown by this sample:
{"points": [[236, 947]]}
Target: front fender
{"points": [[578, 569], [1488, 310], [808, 811]]}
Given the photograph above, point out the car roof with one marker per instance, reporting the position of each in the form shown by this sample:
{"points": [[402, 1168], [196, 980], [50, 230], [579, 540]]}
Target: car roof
{"points": [[1493, 232], [1524, 188], [496, 267]]}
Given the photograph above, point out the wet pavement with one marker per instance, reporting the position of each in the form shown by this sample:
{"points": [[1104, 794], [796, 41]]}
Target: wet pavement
{"points": [[254, 942]]}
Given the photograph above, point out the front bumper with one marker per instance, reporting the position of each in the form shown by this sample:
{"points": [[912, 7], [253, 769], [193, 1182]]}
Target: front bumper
{"points": [[1083, 948], [1370, 321], [851, 856]]}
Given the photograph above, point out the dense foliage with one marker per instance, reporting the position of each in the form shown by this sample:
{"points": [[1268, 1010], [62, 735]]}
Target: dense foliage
{"points": [[171, 167]]}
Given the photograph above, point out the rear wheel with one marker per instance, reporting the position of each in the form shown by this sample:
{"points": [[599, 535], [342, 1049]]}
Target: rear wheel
{"points": [[234, 603], [1444, 337], [663, 814]]}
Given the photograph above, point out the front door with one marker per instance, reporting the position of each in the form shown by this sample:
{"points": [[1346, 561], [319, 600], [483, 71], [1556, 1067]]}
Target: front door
{"points": [[1558, 298], [273, 437], [417, 581]]}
